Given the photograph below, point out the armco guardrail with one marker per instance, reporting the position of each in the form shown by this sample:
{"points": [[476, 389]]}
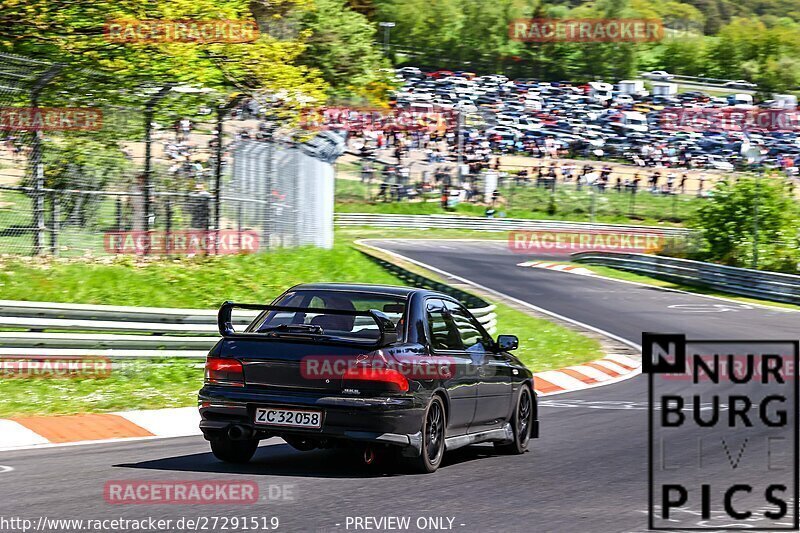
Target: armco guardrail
{"points": [[480, 309], [126, 332], [489, 224], [742, 281]]}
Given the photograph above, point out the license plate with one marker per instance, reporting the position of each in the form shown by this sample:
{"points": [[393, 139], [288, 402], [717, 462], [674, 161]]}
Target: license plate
{"points": [[288, 417]]}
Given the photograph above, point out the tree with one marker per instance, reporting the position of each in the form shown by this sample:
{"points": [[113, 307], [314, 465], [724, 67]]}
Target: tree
{"points": [[73, 34], [341, 47], [726, 224]]}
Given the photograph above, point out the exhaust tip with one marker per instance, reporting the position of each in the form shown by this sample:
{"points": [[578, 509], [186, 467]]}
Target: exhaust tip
{"points": [[369, 455], [239, 432]]}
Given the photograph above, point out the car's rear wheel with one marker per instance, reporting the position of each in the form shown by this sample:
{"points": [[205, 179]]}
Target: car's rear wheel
{"points": [[433, 431], [521, 425], [233, 451]]}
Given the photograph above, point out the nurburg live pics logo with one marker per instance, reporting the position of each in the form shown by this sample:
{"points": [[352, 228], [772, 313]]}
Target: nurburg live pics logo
{"points": [[723, 441]]}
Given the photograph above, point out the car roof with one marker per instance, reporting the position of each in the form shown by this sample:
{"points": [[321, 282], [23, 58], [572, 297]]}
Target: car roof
{"points": [[370, 288]]}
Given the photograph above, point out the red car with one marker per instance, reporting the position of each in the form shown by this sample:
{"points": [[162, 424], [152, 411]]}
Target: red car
{"points": [[440, 74]]}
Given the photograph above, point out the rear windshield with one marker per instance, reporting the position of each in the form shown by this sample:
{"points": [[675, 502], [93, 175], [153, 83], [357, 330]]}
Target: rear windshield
{"points": [[350, 327]]}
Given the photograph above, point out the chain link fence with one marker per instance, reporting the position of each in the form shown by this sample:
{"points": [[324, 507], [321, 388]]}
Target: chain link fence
{"points": [[165, 170]]}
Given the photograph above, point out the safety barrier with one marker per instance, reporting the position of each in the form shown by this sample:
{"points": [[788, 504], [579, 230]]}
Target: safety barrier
{"points": [[741, 281], [490, 224], [125, 332]]}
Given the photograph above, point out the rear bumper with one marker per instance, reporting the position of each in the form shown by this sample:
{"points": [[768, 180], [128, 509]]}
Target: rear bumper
{"points": [[388, 420]]}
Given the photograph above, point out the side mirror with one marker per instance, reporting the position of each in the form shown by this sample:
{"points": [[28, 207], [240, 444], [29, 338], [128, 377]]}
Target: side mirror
{"points": [[506, 343]]}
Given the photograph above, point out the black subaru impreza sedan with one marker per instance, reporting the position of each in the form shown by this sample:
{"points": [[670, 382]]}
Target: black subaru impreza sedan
{"points": [[378, 368]]}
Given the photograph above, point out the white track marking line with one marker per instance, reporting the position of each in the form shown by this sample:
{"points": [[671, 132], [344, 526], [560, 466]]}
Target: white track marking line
{"points": [[271, 442], [625, 375], [502, 295], [600, 276], [590, 372], [709, 296]]}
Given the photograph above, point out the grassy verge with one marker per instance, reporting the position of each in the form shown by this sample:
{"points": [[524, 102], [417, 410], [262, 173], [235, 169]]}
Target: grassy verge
{"points": [[131, 385], [538, 203], [195, 283], [545, 345], [204, 283], [639, 278]]}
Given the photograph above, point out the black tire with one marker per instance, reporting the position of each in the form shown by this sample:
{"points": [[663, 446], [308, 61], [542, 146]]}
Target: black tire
{"points": [[233, 451], [433, 432], [521, 424]]}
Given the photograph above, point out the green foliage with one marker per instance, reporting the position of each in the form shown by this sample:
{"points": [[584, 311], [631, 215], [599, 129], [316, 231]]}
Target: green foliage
{"points": [[73, 34], [714, 38], [727, 225], [341, 47]]}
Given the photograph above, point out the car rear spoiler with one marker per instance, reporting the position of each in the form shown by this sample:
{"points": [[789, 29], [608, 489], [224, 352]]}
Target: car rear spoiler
{"points": [[225, 323]]}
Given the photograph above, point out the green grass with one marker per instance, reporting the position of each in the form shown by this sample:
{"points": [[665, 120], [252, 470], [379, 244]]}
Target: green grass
{"points": [[545, 345], [131, 385], [531, 202], [205, 283]]}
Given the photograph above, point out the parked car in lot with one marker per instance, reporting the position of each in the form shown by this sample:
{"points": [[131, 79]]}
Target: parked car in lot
{"points": [[661, 75], [629, 123], [377, 368], [741, 84]]}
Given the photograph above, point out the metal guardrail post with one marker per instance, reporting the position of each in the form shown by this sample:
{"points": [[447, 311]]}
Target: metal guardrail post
{"points": [[37, 163], [168, 229], [55, 222], [118, 213]]}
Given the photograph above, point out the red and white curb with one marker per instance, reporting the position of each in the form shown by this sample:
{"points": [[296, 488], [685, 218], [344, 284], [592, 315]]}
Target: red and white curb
{"points": [[561, 267], [610, 369], [28, 432], [64, 430]]}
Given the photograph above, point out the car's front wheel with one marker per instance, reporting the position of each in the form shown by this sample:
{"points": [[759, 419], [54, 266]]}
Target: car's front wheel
{"points": [[233, 451], [521, 424], [433, 431]]}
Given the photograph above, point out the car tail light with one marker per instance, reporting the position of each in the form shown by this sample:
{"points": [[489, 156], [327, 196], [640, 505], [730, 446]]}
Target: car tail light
{"points": [[389, 376], [227, 372]]}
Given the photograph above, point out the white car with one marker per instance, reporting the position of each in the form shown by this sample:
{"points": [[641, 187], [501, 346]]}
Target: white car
{"points": [[658, 75], [741, 84], [718, 163], [409, 71], [504, 131], [466, 107]]}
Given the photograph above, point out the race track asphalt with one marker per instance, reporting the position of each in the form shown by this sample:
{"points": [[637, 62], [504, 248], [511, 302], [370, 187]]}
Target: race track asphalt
{"points": [[587, 472]]}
